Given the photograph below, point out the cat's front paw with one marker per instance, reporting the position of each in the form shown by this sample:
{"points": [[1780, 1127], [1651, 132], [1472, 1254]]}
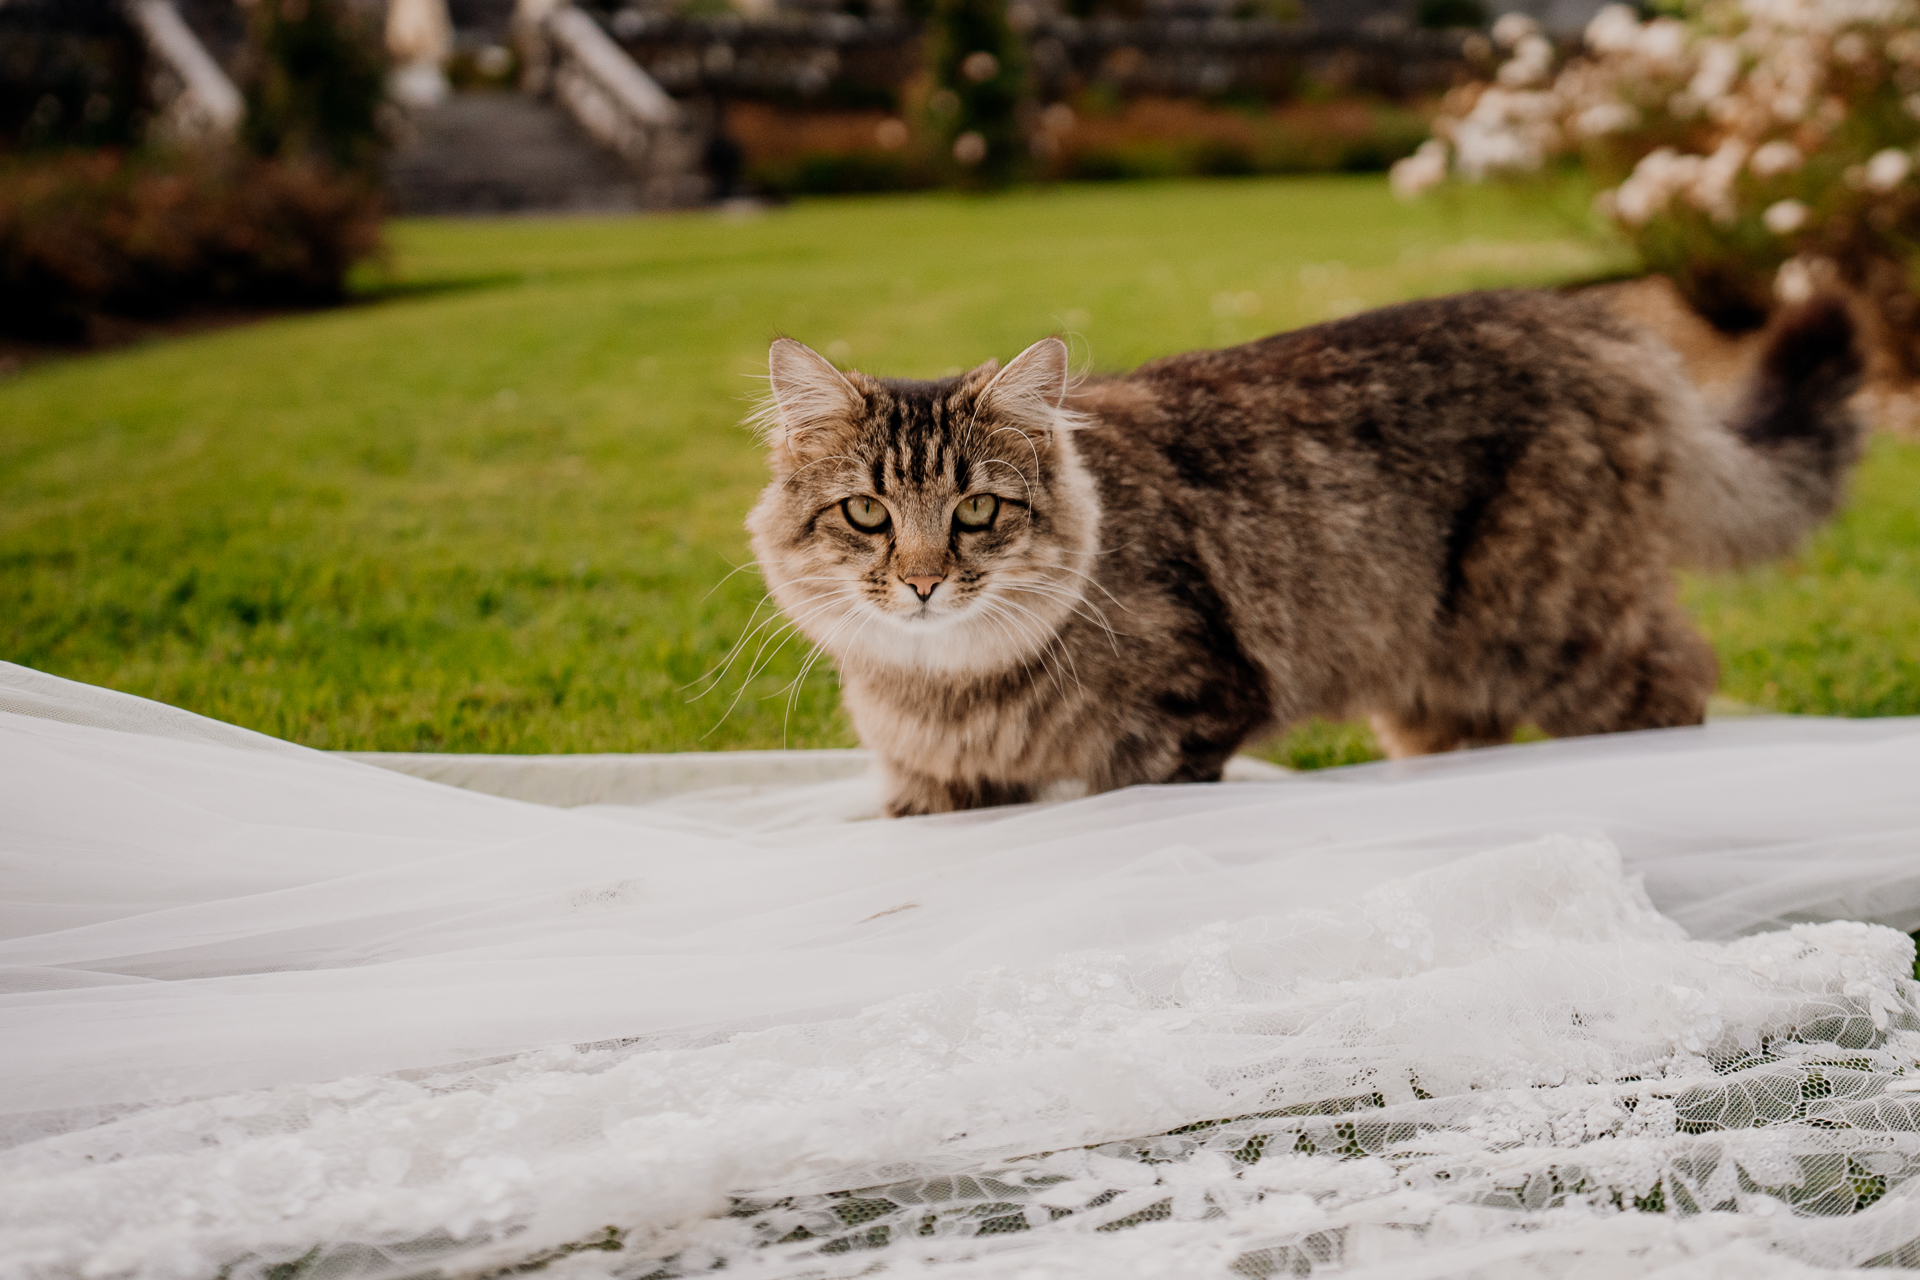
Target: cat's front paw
{"points": [[917, 794]]}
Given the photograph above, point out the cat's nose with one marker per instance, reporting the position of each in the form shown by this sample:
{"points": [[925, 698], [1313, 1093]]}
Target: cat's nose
{"points": [[923, 587]]}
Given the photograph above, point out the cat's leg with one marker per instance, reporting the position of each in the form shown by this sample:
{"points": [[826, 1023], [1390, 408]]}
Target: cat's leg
{"points": [[1170, 753], [1202, 761], [1425, 731], [1663, 682], [911, 793]]}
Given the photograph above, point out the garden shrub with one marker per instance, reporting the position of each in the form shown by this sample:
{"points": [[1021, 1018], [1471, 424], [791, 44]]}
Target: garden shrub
{"points": [[315, 83], [979, 69], [276, 221], [1749, 149], [824, 173], [1166, 138], [1122, 163], [150, 236]]}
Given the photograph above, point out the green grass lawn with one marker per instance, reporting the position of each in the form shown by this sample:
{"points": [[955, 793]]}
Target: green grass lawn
{"points": [[497, 506]]}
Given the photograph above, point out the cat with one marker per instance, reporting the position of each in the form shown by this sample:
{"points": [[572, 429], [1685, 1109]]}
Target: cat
{"points": [[1455, 516]]}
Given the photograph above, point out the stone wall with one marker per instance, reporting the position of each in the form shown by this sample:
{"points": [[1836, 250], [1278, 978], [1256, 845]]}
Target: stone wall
{"points": [[842, 59]]}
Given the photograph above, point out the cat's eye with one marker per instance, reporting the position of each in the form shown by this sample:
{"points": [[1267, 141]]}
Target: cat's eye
{"points": [[866, 514], [976, 512]]}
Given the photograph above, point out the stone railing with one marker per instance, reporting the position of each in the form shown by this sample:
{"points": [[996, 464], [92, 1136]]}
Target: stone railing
{"points": [[619, 105], [1206, 57], [787, 55], [837, 57], [195, 99]]}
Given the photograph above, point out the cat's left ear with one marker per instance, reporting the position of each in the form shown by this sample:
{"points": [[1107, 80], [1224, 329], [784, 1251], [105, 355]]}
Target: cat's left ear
{"points": [[1030, 389], [808, 394]]}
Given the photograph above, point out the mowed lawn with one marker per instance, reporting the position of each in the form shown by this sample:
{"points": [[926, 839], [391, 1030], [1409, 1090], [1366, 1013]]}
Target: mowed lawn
{"points": [[497, 506]]}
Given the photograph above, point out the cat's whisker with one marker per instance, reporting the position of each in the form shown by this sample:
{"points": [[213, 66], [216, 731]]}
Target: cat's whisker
{"points": [[799, 622], [1027, 439], [834, 457], [1049, 635], [788, 633], [793, 691], [1045, 648], [1096, 583], [1074, 601], [1076, 604], [719, 669], [785, 634], [786, 628], [1002, 622], [819, 652], [762, 657], [819, 648], [739, 568], [719, 672], [1015, 631], [1018, 474]]}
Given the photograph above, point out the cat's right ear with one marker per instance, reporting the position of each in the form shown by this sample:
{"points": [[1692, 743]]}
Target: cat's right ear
{"points": [[808, 395]]}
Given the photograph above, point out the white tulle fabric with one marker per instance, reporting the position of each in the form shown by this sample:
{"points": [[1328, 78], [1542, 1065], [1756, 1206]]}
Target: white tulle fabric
{"points": [[1622, 1007]]}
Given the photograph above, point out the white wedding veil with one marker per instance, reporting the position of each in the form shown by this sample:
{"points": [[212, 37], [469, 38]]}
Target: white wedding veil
{"points": [[1591, 1007]]}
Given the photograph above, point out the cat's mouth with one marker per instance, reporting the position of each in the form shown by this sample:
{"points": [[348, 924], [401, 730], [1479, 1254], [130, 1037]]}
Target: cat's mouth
{"points": [[923, 613], [929, 614]]}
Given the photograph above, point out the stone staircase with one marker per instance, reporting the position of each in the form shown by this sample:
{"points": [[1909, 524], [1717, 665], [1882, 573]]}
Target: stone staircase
{"points": [[598, 136], [504, 152]]}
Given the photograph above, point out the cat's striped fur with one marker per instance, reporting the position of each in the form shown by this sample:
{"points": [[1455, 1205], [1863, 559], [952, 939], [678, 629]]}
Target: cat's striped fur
{"points": [[1455, 516]]}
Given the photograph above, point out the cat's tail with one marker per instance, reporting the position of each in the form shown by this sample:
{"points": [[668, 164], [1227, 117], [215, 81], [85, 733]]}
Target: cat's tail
{"points": [[1751, 488]]}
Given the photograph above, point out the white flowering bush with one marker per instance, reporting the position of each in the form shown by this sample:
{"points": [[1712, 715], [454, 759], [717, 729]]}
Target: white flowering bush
{"points": [[1748, 148]]}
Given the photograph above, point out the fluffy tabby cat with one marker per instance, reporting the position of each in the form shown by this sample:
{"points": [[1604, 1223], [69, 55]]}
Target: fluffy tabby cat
{"points": [[1454, 516]]}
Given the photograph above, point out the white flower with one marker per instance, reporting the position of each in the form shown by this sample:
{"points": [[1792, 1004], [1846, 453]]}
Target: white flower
{"points": [[1505, 130], [1532, 60], [1603, 118], [1613, 30], [1888, 169], [1784, 217], [1663, 41], [1774, 158], [1655, 180], [1719, 68], [1712, 188], [1512, 28], [1797, 279], [1904, 47], [1419, 172]]}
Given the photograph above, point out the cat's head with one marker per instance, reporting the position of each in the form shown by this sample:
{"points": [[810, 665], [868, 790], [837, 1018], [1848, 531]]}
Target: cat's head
{"points": [[940, 524]]}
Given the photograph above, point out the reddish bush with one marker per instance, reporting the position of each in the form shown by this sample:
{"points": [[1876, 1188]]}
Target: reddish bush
{"points": [[85, 234]]}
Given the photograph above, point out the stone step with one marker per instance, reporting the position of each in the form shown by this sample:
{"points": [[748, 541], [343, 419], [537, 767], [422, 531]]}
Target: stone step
{"points": [[503, 152]]}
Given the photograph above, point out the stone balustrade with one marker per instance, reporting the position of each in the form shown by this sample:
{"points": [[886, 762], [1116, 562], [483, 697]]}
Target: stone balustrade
{"points": [[619, 105], [839, 57], [195, 100]]}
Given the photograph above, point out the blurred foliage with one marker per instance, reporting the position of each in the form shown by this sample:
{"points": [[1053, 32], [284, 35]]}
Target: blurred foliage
{"points": [[832, 173], [1749, 152], [1263, 145], [315, 83], [1155, 139], [70, 75], [1446, 15], [979, 71], [151, 232], [150, 235]]}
